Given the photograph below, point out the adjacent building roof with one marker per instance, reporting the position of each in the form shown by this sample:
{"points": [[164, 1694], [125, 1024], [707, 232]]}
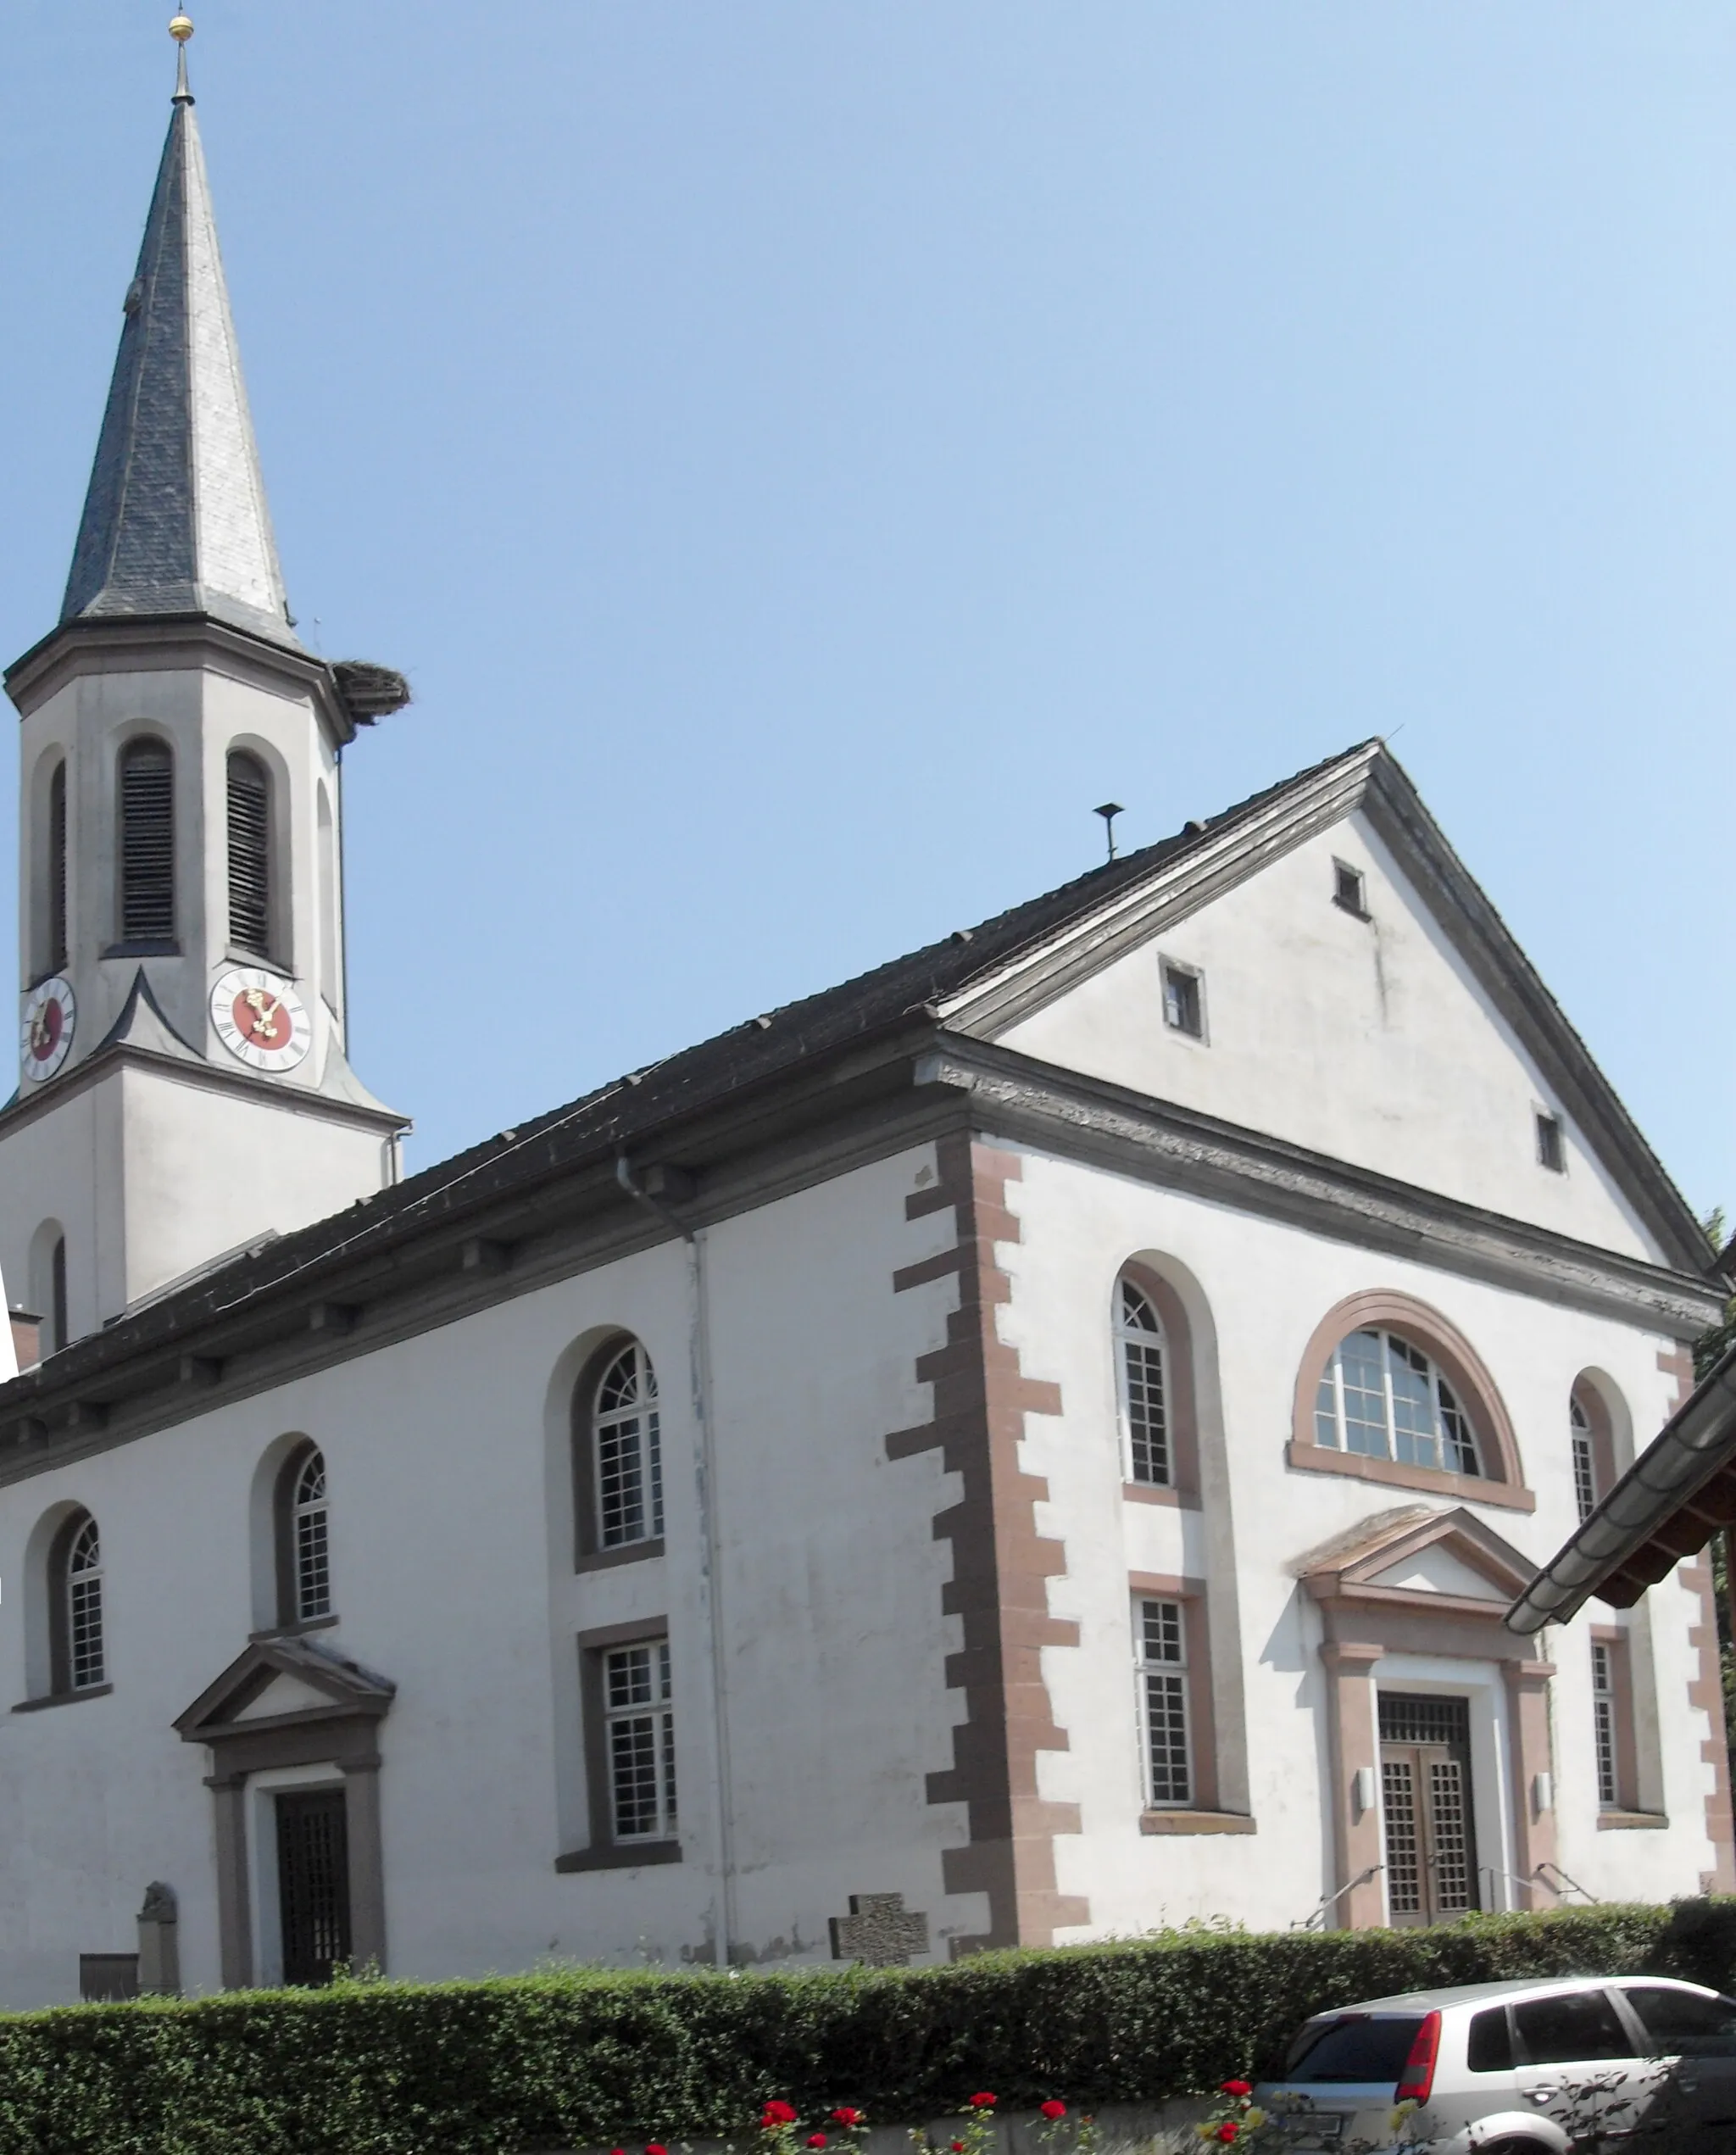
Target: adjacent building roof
{"points": [[175, 521], [1668, 1505]]}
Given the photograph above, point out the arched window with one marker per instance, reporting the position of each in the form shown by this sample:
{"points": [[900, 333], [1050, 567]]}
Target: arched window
{"points": [[147, 842], [250, 878], [56, 952], [622, 1483], [304, 1537], [1143, 1377], [1592, 1408], [76, 1607], [1382, 1397], [59, 1333], [1584, 1457]]}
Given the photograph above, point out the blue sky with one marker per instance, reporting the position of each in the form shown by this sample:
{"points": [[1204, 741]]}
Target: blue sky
{"points": [[807, 453]]}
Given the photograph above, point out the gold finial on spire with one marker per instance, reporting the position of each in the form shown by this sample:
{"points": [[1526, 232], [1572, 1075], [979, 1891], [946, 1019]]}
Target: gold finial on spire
{"points": [[180, 30]]}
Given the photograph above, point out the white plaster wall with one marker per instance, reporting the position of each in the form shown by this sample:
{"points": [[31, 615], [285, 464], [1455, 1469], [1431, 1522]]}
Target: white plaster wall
{"points": [[68, 1166], [1367, 1040], [205, 1172], [151, 1177], [451, 1554], [1267, 1286]]}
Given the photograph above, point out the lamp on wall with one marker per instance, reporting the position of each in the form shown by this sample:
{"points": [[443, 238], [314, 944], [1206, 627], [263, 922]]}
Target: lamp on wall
{"points": [[1362, 1789]]}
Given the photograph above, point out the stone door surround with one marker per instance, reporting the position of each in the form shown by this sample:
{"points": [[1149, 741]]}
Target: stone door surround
{"points": [[331, 1715], [1367, 1619]]}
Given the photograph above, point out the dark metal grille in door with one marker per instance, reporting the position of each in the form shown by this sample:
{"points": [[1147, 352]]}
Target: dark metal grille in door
{"points": [[1431, 1849], [313, 1883]]}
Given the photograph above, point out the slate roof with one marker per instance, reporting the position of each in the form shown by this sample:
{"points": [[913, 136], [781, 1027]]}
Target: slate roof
{"points": [[874, 1002], [176, 520], [956, 986]]}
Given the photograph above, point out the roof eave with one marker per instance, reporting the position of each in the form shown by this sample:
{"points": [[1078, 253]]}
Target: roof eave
{"points": [[1627, 1542]]}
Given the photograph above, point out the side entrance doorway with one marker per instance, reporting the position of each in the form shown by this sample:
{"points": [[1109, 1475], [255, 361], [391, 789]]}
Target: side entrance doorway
{"points": [[313, 1883], [1431, 1838]]}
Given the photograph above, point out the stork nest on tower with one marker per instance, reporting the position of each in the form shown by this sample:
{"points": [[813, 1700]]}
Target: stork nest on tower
{"points": [[369, 693]]}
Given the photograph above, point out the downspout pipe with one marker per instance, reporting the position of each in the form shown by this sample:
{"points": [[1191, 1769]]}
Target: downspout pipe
{"points": [[704, 1481]]}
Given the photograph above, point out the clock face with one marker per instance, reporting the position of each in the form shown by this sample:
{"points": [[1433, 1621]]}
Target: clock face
{"points": [[260, 1020], [50, 1012]]}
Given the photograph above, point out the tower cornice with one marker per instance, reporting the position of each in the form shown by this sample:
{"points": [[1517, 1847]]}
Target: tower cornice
{"points": [[172, 642]]}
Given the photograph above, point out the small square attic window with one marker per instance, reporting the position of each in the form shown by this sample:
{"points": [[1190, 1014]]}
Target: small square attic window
{"points": [[1183, 1005], [1349, 889], [1551, 1150]]}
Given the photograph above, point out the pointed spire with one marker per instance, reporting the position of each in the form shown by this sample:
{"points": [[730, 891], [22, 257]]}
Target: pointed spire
{"points": [[176, 520]]}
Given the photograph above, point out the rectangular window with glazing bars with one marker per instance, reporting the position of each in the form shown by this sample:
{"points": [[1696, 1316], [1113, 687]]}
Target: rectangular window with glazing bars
{"points": [[1161, 1643], [1603, 1710], [640, 1718]]}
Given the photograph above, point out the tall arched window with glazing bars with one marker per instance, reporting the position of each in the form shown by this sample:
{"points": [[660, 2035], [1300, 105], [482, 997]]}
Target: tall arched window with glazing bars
{"points": [[304, 1537], [76, 1607], [1143, 1380], [627, 1452]]}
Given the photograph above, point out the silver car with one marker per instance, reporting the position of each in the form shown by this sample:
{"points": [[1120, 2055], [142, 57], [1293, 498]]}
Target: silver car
{"points": [[1636, 2064]]}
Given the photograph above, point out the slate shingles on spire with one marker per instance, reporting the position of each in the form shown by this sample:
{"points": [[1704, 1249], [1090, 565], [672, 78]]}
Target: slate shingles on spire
{"points": [[176, 520]]}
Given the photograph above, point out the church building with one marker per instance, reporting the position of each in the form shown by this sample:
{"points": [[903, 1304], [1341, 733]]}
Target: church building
{"points": [[1034, 1443]]}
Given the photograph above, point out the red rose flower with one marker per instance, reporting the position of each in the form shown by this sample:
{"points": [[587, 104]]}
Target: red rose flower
{"points": [[1229, 2130], [1235, 2087], [816, 2139], [777, 2113], [982, 2102], [655, 2148], [846, 2116], [958, 2147], [1054, 2109]]}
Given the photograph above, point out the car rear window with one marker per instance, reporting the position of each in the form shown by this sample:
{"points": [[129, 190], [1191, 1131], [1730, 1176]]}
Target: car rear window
{"points": [[1682, 2024], [1488, 2048], [1358, 2046], [1570, 2029]]}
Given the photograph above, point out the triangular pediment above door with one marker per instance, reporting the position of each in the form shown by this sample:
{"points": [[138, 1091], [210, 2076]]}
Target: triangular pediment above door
{"points": [[1419, 1556], [273, 1682]]}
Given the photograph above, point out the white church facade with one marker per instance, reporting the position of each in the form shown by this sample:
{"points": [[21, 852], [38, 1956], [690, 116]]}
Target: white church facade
{"points": [[1031, 1444]]}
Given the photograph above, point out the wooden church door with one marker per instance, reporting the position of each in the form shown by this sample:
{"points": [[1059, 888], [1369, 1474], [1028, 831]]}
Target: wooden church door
{"points": [[313, 1883], [1431, 1842]]}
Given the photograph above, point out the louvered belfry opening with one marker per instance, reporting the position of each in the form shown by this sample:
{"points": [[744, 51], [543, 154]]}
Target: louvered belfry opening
{"points": [[57, 869], [249, 855], [148, 844]]}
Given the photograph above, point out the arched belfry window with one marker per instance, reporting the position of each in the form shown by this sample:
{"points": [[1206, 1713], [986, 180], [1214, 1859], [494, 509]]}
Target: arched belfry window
{"points": [[620, 1463], [304, 1537], [56, 952], [76, 1607], [250, 876], [147, 842], [1142, 1376], [1384, 1398]]}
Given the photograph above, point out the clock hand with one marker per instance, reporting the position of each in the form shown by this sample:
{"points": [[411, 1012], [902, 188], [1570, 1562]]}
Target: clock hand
{"points": [[265, 1015]]}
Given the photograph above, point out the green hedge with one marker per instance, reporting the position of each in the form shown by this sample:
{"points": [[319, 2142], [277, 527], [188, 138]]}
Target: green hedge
{"points": [[570, 2060]]}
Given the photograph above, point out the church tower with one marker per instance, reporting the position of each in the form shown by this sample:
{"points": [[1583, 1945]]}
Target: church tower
{"points": [[184, 1088]]}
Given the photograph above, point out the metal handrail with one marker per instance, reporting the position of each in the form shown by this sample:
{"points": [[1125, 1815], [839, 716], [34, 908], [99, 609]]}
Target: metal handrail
{"points": [[1571, 1882], [1331, 1900]]}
